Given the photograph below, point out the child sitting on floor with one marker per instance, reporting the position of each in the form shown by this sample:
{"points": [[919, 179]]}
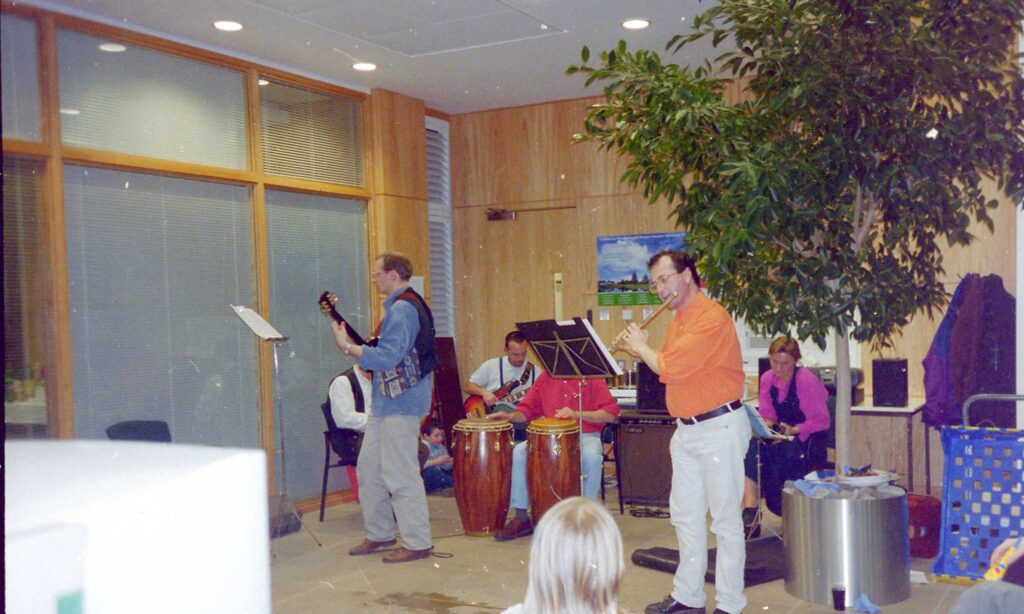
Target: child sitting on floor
{"points": [[437, 470]]}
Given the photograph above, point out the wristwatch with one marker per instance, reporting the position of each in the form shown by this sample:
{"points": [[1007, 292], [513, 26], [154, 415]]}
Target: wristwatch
{"points": [[348, 346]]}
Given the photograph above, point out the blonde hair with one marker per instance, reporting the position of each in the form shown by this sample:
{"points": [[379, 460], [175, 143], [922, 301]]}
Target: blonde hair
{"points": [[575, 561]]}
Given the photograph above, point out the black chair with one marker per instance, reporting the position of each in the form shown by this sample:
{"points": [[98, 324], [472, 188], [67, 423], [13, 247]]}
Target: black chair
{"points": [[140, 430], [343, 442]]}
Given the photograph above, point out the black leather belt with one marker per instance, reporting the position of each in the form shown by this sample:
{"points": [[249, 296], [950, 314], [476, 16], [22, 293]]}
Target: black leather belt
{"points": [[714, 413]]}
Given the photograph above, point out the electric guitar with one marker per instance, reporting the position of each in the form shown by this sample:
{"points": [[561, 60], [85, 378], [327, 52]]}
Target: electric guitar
{"points": [[507, 400], [327, 302]]}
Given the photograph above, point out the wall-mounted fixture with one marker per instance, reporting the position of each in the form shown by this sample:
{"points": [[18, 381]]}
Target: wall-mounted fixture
{"points": [[500, 215]]}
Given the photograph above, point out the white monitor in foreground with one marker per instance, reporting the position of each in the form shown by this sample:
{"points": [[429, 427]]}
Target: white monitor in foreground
{"points": [[98, 526]]}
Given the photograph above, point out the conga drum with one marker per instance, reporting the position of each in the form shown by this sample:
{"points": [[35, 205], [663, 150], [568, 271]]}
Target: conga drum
{"points": [[552, 462], [482, 470]]}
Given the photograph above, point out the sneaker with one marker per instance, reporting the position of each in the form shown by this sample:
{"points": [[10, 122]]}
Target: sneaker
{"points": [[515, 529]]}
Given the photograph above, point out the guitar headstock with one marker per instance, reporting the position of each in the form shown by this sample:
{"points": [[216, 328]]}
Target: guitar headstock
{"points": [[327, 302]]}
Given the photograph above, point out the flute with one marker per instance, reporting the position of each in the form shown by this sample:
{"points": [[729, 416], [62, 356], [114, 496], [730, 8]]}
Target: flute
{"points": [[616, 346]]}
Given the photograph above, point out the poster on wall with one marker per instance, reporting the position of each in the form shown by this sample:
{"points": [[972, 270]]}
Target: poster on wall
{"points": [[622, 266]]}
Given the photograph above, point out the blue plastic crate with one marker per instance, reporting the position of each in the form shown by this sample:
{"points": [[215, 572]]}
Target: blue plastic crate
{"points": [[982, 498]]}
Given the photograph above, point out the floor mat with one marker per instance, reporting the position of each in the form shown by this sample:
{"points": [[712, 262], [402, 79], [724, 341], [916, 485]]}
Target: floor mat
{"points": [[765, 561]]}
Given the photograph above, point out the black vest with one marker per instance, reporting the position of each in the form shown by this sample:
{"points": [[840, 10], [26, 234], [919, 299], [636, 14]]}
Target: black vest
{"points": [[426, 352]]}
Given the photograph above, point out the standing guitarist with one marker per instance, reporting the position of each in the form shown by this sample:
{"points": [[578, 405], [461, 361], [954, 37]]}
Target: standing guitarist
{"points": [[502, 380]]}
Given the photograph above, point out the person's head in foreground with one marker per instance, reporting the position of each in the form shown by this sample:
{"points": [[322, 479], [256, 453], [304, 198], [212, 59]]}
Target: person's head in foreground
{"points": [[575, 560]]}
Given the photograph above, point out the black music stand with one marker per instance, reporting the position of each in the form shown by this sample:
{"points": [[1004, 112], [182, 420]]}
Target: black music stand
{"points": [[570, 349], [284, 518]]}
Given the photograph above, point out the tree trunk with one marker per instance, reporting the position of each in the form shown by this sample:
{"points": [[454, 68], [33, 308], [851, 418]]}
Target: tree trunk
{"points": [[843, 399]]}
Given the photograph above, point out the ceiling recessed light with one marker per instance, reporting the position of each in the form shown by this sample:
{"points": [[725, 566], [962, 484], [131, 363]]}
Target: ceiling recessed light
{"points": [[113, 47], [635, 24], [70, 112], [227, 26], [263, 82], [364, 66]]}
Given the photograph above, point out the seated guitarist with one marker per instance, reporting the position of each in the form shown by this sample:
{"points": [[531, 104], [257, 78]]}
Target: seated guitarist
{"points": [[501, 381]]}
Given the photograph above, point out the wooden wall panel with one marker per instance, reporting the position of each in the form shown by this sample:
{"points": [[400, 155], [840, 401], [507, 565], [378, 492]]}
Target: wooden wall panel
{"points": [[401, 225], [567, 195], [397, 215], [399, 154]]}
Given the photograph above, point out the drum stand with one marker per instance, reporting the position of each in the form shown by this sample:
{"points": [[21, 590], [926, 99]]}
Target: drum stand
{"points": [[579, 416]]}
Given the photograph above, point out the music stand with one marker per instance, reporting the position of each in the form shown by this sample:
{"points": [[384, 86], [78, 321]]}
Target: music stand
{"points": [[760, 430], [570, 349], [283, 513]]}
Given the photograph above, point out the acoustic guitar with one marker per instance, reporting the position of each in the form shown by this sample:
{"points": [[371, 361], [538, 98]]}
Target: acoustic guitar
{"points": [[327, 302]]}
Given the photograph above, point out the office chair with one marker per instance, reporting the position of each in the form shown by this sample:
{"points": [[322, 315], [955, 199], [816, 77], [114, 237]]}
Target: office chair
{"points": [[140, 430]]}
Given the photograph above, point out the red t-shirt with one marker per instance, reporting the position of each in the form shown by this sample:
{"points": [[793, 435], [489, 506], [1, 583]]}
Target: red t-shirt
{"points": [[549, 394]]}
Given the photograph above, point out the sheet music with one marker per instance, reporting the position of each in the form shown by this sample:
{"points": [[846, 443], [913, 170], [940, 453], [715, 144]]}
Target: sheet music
{"points": [[260, 327], [601, 346], [761, 428]]}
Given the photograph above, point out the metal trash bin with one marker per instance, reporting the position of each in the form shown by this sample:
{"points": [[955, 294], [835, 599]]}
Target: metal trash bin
{"points": [[861, 545]]}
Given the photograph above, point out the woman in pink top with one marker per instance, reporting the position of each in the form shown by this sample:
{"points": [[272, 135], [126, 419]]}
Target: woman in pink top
{"points": [[794, 401]]}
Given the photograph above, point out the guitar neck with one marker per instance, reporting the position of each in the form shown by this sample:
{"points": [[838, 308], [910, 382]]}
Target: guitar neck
{"points": [[327, 306], [351, 332]]}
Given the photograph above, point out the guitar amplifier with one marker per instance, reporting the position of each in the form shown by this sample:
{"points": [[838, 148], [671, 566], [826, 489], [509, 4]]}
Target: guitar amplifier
{"points": [[645, 464]]}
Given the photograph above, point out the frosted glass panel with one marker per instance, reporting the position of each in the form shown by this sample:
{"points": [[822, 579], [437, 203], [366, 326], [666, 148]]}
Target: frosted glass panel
{"points": [[148, 103], [19, 66], [315, 244], [154, 264]]}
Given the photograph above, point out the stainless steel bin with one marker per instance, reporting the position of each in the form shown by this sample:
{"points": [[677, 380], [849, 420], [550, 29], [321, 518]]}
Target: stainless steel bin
{"points": [[861, 545]]}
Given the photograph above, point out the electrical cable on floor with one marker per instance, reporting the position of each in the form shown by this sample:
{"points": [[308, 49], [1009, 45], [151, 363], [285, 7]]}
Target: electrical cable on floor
{"points": [[444, 555]]}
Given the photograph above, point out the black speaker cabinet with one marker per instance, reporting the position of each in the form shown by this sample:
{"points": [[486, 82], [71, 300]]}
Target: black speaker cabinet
{"points": [[889, 382], [650, 392], [645, 464]]}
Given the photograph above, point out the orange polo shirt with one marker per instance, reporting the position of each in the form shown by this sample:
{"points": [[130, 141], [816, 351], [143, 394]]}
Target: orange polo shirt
{"points": [[700, 362]]}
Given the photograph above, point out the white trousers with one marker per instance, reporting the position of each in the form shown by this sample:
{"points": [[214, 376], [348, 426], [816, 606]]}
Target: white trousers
{"points": [[707, 474]]}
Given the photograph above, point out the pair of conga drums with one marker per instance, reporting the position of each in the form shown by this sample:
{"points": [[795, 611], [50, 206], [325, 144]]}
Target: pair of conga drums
{"points": [[483, 469]]}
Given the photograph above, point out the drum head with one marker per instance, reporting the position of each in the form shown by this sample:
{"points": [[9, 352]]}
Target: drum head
{"points": [[479, 425], [547, 426]]}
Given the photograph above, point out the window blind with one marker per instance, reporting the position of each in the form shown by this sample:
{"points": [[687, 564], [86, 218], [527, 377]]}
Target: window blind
{"points": [[23, 297], [315, 244], [442, 290], [310, 135], [145, 102], [19, 69], [154, 265]]}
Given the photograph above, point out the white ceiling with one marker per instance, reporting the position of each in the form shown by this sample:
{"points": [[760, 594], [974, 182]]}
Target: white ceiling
{"points": [[456, 55]]}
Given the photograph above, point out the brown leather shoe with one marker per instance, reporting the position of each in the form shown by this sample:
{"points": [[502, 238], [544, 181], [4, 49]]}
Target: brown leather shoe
{"points": [[515, 529], [369, 547], [404, 555]]}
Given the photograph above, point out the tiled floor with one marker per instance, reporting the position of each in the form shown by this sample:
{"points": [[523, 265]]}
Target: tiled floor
{"points": [[478, 574]]}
